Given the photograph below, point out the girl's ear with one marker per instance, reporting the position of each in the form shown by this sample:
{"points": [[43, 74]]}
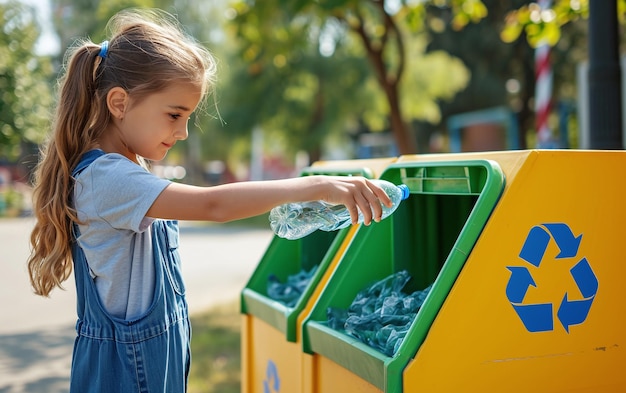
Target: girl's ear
{"points": [[117, 102]]}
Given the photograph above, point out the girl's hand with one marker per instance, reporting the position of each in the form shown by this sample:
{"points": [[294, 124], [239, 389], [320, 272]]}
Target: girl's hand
{"points": [[356, 193]]}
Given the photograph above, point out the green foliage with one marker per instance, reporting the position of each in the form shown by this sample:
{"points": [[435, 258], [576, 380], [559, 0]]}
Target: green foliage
{"points": [[298, 69], [544, 25], [25, 91], [465, 12], [430, 78], [306, 74], [281, 81]]}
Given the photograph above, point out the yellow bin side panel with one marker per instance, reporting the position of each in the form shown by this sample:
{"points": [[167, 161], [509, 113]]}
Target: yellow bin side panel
{"points": [[478, 335], [245, 352], [268, 359], [329, 377]]}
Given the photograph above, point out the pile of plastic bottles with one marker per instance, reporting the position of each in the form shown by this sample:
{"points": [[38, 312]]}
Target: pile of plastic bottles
{"points": [[380, 315], [290, 291]]}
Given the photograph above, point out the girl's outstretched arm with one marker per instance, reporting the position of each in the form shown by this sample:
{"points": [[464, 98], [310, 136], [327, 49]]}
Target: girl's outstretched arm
{"points": [[235, 201]]}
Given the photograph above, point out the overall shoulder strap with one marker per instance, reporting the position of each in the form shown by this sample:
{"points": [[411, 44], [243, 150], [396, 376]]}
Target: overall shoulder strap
{"points": [[84, 162], [87, 159], [81, 267]]}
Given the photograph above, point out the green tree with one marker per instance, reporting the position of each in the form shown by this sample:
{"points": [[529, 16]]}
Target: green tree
{"points": [[25, 91], [282, 83], [363, 63]]}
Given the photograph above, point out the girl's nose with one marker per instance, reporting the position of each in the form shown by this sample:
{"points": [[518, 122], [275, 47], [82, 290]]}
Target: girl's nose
{"points": [[181, 132]]}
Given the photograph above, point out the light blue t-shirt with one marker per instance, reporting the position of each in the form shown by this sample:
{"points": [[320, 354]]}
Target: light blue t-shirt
{"points": [[112, 196]]}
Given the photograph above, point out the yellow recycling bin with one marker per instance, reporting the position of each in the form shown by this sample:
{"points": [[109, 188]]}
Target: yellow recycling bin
{"points": [[272, 357], [522, 252], [538, 305]]}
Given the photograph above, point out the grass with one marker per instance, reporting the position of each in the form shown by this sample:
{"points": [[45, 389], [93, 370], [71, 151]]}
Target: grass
{"points": [[215, 350]]}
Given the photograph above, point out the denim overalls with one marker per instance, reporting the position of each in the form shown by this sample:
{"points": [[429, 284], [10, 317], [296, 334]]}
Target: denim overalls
{"points": [[147, 354]]}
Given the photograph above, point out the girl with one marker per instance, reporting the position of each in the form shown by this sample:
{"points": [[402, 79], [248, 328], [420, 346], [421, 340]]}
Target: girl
{"points": [[100, 211]]}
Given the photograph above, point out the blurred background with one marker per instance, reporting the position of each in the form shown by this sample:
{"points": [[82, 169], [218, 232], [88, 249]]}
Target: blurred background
{"points": [[301, 81]]}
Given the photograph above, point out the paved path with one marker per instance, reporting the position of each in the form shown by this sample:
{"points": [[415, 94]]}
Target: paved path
{"points": [[36, 334]]}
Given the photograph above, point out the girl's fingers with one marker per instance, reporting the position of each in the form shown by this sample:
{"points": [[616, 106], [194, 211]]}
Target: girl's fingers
{"points": [[366, 207], [373, 206], [381, 195], [371, 202], [354, 213]]}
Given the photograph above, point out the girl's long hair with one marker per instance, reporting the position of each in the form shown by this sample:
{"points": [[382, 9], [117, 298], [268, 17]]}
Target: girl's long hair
{"points": [[147, 52]]}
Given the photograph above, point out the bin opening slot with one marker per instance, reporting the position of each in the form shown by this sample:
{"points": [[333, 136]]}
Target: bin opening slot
{"points": [[445, 179], [425, 231]]}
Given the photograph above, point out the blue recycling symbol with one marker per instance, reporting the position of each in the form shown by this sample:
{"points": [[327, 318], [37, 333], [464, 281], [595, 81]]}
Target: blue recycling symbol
{"points": [[271, 382], [540, 317]]}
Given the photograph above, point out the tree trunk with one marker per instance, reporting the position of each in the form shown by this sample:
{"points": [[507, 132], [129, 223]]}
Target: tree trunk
{"points": [[388, 80], [402, 132]]}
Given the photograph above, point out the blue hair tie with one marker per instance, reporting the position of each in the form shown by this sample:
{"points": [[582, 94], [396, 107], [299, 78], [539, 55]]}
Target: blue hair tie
{"points": [[104, 49]]}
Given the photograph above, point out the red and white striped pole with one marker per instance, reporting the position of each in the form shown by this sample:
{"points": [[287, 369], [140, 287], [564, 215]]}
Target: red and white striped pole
{"points": [[543, 89]]}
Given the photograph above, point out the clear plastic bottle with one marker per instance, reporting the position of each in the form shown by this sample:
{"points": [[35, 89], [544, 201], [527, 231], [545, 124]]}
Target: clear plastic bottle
{"points": [[296, 220]]}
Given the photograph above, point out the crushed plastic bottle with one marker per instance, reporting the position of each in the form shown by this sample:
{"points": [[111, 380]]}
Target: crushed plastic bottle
{"points": [[380, 315], [296, 220]]}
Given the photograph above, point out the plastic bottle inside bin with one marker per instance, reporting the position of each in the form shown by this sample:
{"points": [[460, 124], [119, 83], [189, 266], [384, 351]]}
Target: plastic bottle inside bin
{"points": [[296, 220]]}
